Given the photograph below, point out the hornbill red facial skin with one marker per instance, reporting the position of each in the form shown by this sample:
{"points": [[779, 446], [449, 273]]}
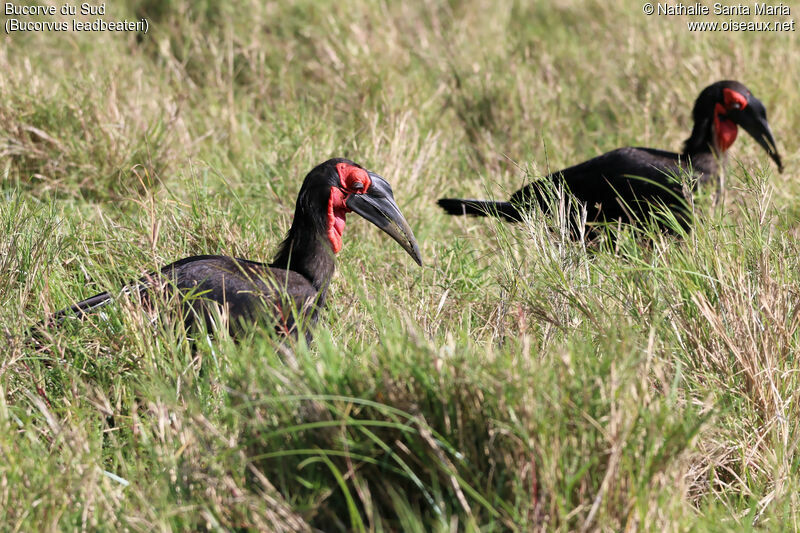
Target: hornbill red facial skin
{"points": [[296, 283], [626, 183]]}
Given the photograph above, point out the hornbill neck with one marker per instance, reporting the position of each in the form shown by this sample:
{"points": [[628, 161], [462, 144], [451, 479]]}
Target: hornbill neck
{"points": [[307, 250], [701, 141], [702, 150]]}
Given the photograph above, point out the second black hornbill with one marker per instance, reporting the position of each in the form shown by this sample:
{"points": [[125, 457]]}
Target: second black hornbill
{"points": [[294, 285], [626, 183]]}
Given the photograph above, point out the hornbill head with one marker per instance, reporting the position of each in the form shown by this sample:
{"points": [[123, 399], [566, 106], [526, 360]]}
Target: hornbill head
{"points": [[732, 105], [339, 186]]}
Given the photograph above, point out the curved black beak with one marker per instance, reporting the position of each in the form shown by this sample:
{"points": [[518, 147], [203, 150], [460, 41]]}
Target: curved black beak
{"points": [[753, 118], [378, 206]]}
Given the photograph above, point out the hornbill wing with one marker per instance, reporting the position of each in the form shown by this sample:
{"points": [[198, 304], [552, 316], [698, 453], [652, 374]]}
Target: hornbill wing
{"points": [[620, 184], [612, 183], [246, 290]]}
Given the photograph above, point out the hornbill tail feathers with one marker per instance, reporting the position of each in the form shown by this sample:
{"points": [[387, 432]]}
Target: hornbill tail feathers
{"points": [[480, 208]]}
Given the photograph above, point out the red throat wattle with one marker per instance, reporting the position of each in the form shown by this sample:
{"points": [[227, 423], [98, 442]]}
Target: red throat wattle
{"points": [[726, 130], [337, 209], [354, 180]]}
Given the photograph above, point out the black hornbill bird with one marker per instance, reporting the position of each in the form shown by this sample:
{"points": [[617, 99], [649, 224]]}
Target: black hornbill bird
{"points": [[295, 284], [627, 182]]}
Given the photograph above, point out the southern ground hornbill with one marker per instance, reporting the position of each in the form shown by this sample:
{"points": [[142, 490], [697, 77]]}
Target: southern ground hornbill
{"points": [[626, 183], [295, 284]]}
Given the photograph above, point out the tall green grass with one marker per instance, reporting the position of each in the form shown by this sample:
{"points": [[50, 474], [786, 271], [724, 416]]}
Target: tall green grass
{"points": [[519, 381]]}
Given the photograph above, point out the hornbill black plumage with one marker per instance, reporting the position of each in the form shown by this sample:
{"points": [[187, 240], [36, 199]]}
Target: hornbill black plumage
{"points": [[295, 284], [627, 182]]}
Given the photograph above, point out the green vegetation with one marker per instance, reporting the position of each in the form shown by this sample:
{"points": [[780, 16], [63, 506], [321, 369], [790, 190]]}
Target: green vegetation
{"points": [[519, 381]]}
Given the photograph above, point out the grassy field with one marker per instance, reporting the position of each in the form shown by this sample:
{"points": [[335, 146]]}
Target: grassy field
{"points": [[518, 381]]}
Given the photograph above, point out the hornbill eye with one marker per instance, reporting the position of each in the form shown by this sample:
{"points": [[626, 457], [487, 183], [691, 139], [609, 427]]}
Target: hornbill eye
{"points": [[357, 186]]}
